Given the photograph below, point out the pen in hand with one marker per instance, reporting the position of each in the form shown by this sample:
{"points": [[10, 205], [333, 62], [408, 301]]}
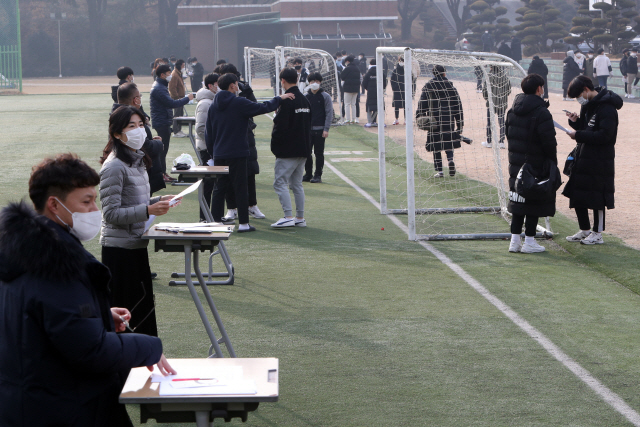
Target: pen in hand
{"points": [[125, 323]]}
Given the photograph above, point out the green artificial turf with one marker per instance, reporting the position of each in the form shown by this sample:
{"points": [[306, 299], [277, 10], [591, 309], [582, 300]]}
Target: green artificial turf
{"points": [[371, 329]]}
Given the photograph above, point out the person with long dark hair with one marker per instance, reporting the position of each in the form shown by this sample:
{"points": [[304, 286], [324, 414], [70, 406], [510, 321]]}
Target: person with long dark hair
{"points": [[124, 193]]}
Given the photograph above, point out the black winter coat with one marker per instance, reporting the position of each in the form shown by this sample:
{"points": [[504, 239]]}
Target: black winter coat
{"points": [[351, 78], [114, 91], [61, 362], [570, 70], [591, 184], [538, 66], [246, 91], [369, 84], [291, 135], [397, 86], [632, 65], [441, 101], [532, 139], [516, 49], [362, 65], [162, 104], [505, 50], [623, 65]]}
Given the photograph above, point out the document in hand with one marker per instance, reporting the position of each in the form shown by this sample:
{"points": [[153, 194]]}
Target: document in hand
{"points": [[189, 189], [559, 126]]}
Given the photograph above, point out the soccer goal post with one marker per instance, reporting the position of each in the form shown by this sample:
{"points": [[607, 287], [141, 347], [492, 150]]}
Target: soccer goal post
{"points": [[441, 140], [260, 67]]}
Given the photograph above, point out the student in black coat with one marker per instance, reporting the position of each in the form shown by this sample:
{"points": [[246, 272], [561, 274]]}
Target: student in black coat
{"points": [[62, 363], [591, 184], [538, 67], [197, 74], [516, 48], [362, 65], [532, 139], [504, 49], [570, 70], [369, 84], [632, 71], [125, 74], [351, 88], [397, 86], [440, 100]]}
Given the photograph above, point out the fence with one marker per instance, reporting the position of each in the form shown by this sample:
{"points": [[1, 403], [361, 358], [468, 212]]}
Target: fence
{"points": [[10, 47]]}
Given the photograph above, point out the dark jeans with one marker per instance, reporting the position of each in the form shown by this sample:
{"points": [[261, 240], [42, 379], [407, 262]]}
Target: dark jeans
{"points": [[583, 219], [196, 84], [236, 181], [602, 81], [131, 286], [500, 123], [317, 145], [437, 159], [164, 133], [177, 112], [531, 222]]}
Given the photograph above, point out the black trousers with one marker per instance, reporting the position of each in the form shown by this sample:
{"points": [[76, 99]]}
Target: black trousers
{"points": [[437, 159], [317, 145], [235, 181], [251, 188], [164, 133], [530, 223], [196, 84], [500, 124], [397, 112], [546, 88], [585, 224], [177, 112], [131, 286]]}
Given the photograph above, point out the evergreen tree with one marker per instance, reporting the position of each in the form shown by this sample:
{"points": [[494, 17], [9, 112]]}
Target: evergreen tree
{"points": [[606, 26], [484, 17], [540, 24]]}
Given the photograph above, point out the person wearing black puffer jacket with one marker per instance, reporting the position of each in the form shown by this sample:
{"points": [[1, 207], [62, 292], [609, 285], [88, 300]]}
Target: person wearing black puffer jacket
{"points": [[570, 70], [591, 184], [538, 67], [125, 75], [532, 139], [351, 88]]}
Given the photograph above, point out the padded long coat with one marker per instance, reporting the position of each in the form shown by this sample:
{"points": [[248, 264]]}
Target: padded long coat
{"points": [[591, 184], [440, 100], [397, 85], [532, 139]]}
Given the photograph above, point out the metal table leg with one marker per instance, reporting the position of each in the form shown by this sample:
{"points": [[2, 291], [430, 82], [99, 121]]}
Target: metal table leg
{"points": [[196, 301], [222, 251], [225, 338]]}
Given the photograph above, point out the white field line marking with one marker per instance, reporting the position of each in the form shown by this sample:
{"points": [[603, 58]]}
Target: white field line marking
{"points": [[600, 389]]}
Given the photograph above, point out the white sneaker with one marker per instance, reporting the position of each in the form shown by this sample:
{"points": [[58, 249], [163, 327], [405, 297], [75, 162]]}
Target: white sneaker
{"points": [[439, 175], [532, 248], [284, 222], [579, 236], [180, 135], [631, 96], [300, 222], [478, 90], [368, 125], [231, 215], [486, 144], [567, 99], [501, 145], [515, 246], [357, 121], [395, 122], [626, 95], [254, 211], [593, 239]]}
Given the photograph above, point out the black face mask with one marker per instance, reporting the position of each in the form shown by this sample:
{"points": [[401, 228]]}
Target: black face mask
{"points": [[298, 67]]}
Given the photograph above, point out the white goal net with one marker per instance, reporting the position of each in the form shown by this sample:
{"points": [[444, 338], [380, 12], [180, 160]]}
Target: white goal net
{"points": [[261, 74], [443, 156]]}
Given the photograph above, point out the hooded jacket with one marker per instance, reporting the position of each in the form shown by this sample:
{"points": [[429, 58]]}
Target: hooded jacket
{"points": [[440, 100], [531, 138], [351, 78], [291, 135], [162, 104], [205, 99], [591, 184], [61, 362], [538, 66], [228, 124]]}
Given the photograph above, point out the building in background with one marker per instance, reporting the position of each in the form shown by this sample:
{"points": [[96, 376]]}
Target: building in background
{"points": [[222, 31]]}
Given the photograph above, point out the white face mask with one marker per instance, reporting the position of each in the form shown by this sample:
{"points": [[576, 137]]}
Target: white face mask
{"points": [[136, 138], [634, 54], [132, 79], [86, 225], [582, 101], [314, 86], [590, 56], [168, 78]]}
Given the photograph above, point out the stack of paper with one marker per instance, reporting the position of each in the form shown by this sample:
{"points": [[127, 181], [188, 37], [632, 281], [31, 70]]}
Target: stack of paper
{"points": [[205, 381], [205, 227]]}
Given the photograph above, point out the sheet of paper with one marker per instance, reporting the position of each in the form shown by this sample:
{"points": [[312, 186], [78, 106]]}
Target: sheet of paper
{"points": [[189, 189], [238, 387], [559, 126], [227, 374], [149, 222], [188, 224], [204, 226]]}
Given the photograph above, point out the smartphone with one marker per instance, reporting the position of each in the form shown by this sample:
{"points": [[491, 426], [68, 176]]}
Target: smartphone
{"points": [[567, 111]]}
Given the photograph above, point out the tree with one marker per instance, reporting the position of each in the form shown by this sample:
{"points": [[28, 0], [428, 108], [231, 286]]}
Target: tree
{"points": [[539, 24], [605, 26], [409, 11], [484, 17], [459, 16]]}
